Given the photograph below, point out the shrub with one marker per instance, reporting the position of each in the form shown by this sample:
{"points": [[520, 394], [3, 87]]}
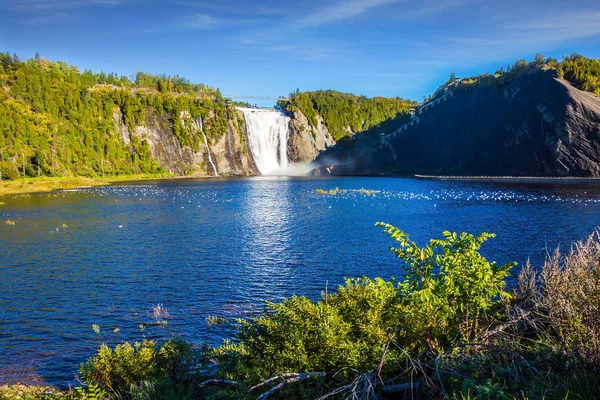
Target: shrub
{"points": [[346, 329], [122, 367], [568, 295], [447, 289], [144, 367]]}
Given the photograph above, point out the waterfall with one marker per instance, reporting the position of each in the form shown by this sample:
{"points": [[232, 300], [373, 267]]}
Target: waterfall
{"points": [[268, 132], [201, 126]]}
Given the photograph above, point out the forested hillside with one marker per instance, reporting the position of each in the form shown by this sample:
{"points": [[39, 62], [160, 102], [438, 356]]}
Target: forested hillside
{"points": [[56, 120], [582, 71], [344, 113]]}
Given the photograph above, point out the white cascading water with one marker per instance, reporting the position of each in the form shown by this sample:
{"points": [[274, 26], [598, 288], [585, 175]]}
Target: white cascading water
{"points": [[201, 126], [268, 133]]}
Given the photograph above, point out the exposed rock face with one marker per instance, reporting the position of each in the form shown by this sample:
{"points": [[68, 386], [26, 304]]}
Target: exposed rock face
{"points": [[229, 153], [231, 156], [539, 125], [307, 141]]}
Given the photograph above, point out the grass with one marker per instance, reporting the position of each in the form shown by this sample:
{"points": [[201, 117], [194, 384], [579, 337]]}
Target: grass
{"points": [[160, 313], [48, 184], [332, 192], [337, 191], [19, 391]]}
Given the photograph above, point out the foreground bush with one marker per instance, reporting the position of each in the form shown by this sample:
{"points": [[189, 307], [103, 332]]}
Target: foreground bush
{"points": [[23, 392], [145, 369], [446, 294], [446, 329], [347, 329], [566, 298]]}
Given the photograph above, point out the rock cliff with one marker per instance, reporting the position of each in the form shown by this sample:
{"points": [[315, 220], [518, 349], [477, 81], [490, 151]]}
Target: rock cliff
{"points": [[537, 125], [306, 142], [229, 153]]}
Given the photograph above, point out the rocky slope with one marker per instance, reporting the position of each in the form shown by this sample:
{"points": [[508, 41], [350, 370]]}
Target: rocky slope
{"points": [[537, 125], [306, 141], [229, 154]]}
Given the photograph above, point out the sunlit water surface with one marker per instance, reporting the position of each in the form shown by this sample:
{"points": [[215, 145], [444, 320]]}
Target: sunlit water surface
{"points": [[224, 247]]}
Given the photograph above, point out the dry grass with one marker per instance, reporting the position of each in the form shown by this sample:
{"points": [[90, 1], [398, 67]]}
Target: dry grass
{"points": [[48, 184], [19, 392], [568, 296], [160, 312]]}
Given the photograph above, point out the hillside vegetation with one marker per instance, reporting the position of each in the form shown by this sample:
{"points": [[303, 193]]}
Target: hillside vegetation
{"points": [[345, 113], [56, 120], [581, 71]]}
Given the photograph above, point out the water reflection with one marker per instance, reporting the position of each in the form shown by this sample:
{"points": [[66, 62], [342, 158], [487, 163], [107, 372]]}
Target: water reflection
{"points": [[266, 249]]}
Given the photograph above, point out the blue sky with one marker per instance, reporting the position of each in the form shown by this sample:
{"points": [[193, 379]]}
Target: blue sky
{"points": [[373, 47]]}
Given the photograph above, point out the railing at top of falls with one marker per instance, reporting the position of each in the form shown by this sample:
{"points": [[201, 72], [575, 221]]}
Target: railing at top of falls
{"points": [[243, 97]]}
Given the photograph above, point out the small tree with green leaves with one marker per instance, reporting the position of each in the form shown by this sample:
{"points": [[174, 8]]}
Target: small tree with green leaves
{"points": [[448, 287]]}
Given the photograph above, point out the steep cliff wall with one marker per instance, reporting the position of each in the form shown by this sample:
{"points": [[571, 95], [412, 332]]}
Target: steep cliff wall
{"points": [[229, 153], [537, 125], [306, 141]]}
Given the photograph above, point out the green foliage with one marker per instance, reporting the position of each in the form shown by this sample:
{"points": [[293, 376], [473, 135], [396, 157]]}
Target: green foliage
{"points": [[344, 329], [122, 367], [344, 112], [92, 392], [56, 120], [22, 392], [168, 84], [582, 71], [447, 288], [145, 367]]}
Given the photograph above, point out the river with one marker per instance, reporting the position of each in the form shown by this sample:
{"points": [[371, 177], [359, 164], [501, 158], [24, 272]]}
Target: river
{"points": [[104, 257]]}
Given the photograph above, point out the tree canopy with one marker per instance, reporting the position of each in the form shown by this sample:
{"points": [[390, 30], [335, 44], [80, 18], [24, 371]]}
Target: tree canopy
{"points": [[345, 113], [56, 120]]}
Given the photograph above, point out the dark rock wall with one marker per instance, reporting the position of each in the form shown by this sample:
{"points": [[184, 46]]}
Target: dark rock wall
{"points": [[537, 126]]}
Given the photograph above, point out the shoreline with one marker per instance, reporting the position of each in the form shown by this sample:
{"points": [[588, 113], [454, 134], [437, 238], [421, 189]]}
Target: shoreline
{"points": [[48, 184], [510, 179]]}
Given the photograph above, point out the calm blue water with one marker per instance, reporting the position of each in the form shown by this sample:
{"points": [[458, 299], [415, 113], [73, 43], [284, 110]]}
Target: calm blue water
{"points": [[224, 247]]}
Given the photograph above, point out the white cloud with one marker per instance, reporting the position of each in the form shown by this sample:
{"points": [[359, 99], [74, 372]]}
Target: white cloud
{"points": [[207, 21], [202, 21], [50, 5], [304, 52], [531, 35], [343, 10], [46, 18], [561, 26]]}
